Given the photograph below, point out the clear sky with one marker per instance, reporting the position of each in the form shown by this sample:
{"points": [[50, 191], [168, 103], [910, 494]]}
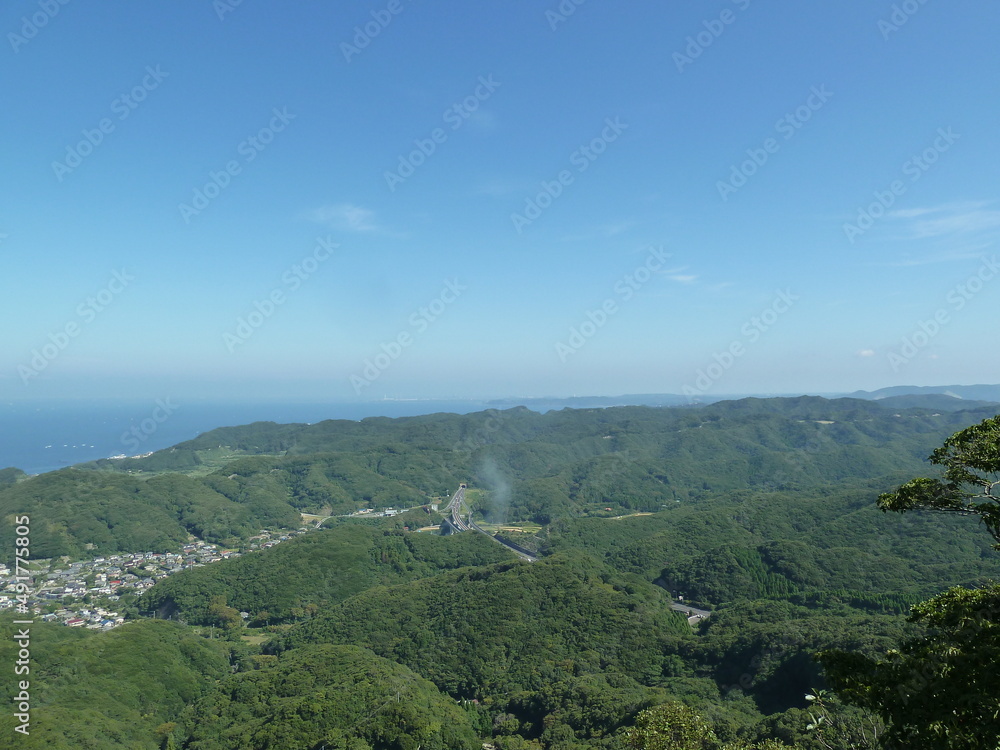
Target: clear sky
{"points": [[477, 199]]}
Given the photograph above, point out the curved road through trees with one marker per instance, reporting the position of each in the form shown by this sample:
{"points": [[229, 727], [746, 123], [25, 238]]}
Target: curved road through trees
{"points": [[454, 511]]}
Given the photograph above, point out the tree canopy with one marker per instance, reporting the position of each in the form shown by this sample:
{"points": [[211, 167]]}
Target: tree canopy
{"points": [[971, 461], [939, 690]]}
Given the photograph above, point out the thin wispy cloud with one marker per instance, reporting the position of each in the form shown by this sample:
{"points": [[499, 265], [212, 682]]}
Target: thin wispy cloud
{"points": [[677, 275], [612, 230], [484, 120], [957, 231], [504, 188], [909, 213], [603, 232], [721, 286], [347, 217], [948, 219], [972, 221], [951, 255]]}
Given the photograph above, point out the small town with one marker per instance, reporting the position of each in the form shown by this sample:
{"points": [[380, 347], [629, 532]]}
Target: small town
{"points": [[84, 594]]}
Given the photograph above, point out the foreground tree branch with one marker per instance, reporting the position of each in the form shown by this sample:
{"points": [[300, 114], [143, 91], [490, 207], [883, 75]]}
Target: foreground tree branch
{"points": [[969, 486]]}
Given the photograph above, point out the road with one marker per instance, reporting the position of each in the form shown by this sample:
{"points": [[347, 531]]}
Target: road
{"points": [[454, 511], [519, 551], [694, 615]]}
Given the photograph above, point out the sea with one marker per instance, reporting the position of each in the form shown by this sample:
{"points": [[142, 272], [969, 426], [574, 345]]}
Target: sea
{"points": [[37, 437]]}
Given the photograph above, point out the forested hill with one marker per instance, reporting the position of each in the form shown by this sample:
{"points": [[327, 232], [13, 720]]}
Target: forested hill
{"points": [[370, 635], [228, 483], [520, 425]]}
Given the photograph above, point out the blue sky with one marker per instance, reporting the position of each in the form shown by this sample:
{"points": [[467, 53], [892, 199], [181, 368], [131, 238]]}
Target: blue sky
{"points": [[457, 200]]}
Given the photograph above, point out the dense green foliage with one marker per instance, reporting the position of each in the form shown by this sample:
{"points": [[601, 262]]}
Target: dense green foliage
{"points": [[107, 690], [797, 571], [671, 726], [11, 476], [761, 510], [73, 511], [675, 726], [971, 461], [937, 402], [335, 696], [751, 545], [541, 467], [560, 650], [938, 690], [763, 649], [557, 465], [494, 630], [566, 650], [316, 570]]}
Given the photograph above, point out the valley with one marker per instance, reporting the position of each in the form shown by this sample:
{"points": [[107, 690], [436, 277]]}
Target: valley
{"points": [[704, 555]]}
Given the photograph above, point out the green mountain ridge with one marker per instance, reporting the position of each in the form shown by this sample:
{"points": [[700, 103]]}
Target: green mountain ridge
{"points": [[340, 696], [555, 465], [368, 636], [478, 632], [107, 690], [309, 571]]}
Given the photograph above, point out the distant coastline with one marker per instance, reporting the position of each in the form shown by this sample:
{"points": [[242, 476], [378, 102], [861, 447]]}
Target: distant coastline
{"points": [[41, 437], [37, 437]]}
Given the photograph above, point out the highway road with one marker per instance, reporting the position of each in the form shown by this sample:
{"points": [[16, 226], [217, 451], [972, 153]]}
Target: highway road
{"points": [[694, 615], [454, 511]]}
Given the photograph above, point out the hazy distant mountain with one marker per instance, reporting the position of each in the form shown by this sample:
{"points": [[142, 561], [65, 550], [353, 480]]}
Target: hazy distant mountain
{"points": [[601, 402], [593, 402], [226, 484], [936, 401], [941, 398], [989, 393], [761, 509]]}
